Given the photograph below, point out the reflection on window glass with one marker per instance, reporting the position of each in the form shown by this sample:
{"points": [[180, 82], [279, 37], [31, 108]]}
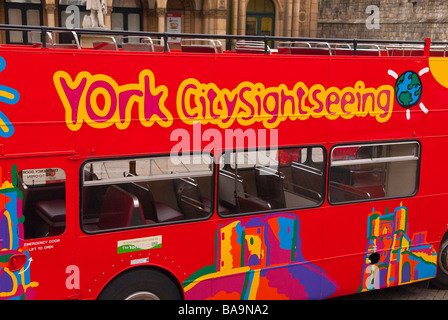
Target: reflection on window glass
{"points": [[15, 17], [25, 12], [117, 21], [146, 191], [373, 171], [252, 181], [43, 203], [33, 19], [134, 22]]}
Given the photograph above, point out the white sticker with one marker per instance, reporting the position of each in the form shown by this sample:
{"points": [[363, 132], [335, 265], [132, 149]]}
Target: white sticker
{"points": [[132, 245]]}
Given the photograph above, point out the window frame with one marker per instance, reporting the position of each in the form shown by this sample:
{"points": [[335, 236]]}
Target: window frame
{"points": [[125, 11], [87, 161], [374, 161], [285, 209], [54, 225], [23, 7]]}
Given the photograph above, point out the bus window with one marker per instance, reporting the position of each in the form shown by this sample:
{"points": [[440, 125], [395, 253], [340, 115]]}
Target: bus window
{"points": [[375, 171], [135, 192], [253, 181], [43, 201]]}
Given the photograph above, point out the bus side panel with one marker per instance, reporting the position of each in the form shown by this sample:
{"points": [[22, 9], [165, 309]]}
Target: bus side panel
{"points": [[380, 242], [37, 117], [179, 250], [50, 270], [15, 282], [433, 190], [270, 256]]}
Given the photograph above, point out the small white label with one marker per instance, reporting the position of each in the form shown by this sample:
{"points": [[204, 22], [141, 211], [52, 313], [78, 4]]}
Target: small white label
{"points": [[139, 261], [133, 245]]}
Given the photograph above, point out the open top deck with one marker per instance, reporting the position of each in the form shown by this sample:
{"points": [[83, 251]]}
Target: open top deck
{"points": [[114, 40]]}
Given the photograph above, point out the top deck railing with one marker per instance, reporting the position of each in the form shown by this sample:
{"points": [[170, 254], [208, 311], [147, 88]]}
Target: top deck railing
{"points": [[207, 43]]}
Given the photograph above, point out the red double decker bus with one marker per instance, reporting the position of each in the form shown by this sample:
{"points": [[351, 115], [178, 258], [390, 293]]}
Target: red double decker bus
{"points": [[132, 170]]}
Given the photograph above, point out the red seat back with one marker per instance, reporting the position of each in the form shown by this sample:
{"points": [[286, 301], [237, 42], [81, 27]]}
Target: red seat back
{"points": [[120, 209]]}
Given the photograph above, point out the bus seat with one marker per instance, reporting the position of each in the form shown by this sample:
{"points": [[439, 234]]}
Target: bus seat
{"points": [[257, 47], [137, 43], [227, 186], [269, 183], [143, 44], [365, 51], [53, 213], [66, 46], [284, 50], [91, 196], [307, 180], [198, 49], [250, 203], [201, 45], [304, 48], [120, 209], [141, 47], [104, 43], [339, 192], [153, 211], [232, 194], [167, 214], [189, 199], [145, 198], [311, 51]]}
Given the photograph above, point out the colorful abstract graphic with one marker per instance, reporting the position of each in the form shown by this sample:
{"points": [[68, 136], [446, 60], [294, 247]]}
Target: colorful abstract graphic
{"points": [[392, 258], [13, 284], [9, 96], [439, 70], [260, 259]]}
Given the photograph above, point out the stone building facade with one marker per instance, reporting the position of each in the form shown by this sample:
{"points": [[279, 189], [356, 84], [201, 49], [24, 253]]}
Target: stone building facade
{"points": [[383, 19], [375, 19], [259, 17]]}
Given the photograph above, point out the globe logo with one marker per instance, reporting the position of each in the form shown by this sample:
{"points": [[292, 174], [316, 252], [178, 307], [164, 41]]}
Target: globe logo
{"points": [[408, 89]]}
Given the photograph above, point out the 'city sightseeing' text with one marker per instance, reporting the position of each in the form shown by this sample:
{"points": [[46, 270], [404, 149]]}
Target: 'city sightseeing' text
{"points": [[100, 102]]}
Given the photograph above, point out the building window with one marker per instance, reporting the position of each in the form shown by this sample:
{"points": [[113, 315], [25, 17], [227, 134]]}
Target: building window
{"points": [[260, 18], [264, 180], [127, 15], [373, 171], [23, 12]]}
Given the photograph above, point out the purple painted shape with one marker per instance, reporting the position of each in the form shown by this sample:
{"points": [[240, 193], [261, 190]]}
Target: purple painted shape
{"points": [[6, 283], [73, 96], [151, 102], [113, 101], [4, 231]]}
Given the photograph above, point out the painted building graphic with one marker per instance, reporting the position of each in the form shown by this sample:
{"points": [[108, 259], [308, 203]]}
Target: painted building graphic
{"points": [[14, 284], [401, 259], [260, 259]]}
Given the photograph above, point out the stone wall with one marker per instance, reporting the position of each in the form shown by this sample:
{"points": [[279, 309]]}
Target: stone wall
{"points": [[396, 19]]}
